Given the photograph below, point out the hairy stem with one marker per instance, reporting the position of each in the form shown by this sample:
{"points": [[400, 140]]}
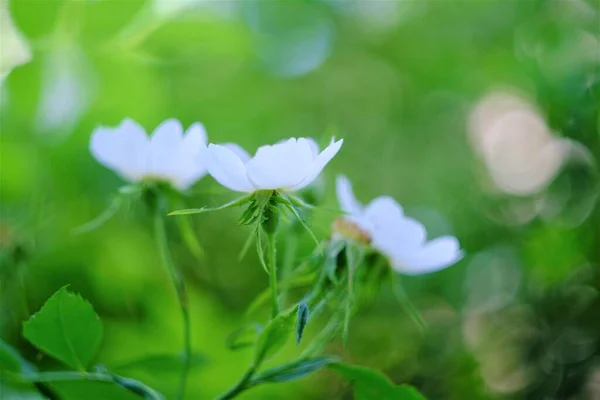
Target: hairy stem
{"points": [[176, 279], [273, 275]]}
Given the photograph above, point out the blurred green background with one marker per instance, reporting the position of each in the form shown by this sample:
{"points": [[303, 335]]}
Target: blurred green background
{"points": [[405, 84]]}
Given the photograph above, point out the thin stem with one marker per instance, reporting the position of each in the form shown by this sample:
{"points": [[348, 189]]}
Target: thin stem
{"points": [[61, 376], [273, 275], [240, 386], [161, 239], [289, 257], [408, 305]]}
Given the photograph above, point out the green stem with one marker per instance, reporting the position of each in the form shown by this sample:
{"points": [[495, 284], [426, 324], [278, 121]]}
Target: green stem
{"points": [[273, 275], [408, 305], [61, 376], [291, 246], [241, 385], [176, 279]]}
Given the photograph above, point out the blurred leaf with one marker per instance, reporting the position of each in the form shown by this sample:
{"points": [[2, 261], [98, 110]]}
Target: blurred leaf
{"points": [[275, 335], [334, 249], [18, 391], [67, 328], [133, 385], [92, 390], [302, 320], [263, 297], [370, 384], [11, 360], [292, 371], [243, 337], [161, 363]]}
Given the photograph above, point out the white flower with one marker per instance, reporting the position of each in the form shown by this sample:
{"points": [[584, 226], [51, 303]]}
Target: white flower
{"points": [[14, 50], [288, 166], [401, 239], [169, 155]]}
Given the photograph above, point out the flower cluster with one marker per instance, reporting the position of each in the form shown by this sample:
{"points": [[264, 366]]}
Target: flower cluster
{"points": [[182, 158]]}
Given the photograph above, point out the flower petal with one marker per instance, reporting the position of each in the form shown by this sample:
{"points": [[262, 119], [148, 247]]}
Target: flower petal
{"points": [[165, 146], [345, 196], [195, 137], [239, 151], [313, 146], [192, 165], [319, 163], [433, 256], [123, 149], [227, 168], [280, 166], [384, 210]]}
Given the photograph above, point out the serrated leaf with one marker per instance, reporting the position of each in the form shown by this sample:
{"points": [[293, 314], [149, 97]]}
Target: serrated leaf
{"points": [[161, 363], [66, 328], [292, 371], [369, 384], [301, 321], [275, 335]]}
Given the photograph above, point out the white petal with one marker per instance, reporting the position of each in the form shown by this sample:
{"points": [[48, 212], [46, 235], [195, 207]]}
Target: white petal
{"points": [[384, 210], [433, 256], [397, 237], [280, 166], [192, 164], [313, 146], [239, 151], [345, 196], [227, 168], [123, 149], [195, 136], [165, 146], [319, 163]]}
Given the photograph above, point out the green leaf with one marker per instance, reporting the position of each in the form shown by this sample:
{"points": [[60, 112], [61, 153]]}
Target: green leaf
{"points": [[243, 337], [301, 321], [67, 328], [292, 371], [275, 335], [333, 250], [134, 386], [161, 363], [237, 202], [370, 384], [10, 360]]}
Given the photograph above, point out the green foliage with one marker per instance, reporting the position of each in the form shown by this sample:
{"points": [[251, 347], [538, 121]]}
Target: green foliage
{"points": [[275, 335], [302, 320], [10, 359], [67, 328], [243, 337], [369, 384], [294, 370], [160, 363]]}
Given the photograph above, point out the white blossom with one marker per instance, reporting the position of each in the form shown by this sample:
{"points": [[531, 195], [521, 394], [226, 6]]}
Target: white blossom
{"points": [[14, 50], [168, 155], [401, 239], [289, 165]]}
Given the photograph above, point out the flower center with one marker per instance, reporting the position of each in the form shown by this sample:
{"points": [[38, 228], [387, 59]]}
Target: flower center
{"points": [[351, 230]]}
